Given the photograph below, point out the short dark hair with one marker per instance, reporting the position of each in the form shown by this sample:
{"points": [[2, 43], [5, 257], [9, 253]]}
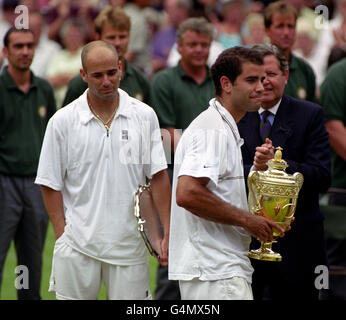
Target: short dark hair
{"points": [[10, 31], [229, 63], [272, 50]]}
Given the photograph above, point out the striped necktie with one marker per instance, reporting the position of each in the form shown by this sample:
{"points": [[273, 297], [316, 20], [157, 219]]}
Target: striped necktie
{"points": [[265, 125]]}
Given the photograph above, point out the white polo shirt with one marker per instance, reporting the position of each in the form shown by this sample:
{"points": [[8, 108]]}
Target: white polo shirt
{"points": [[98, 175], [198, 248]]}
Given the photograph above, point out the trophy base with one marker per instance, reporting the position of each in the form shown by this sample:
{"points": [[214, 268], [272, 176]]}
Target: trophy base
{"points": [[265, 253]]}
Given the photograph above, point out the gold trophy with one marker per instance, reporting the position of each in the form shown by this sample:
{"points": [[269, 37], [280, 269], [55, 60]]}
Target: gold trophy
{"points": [[273, 194]]}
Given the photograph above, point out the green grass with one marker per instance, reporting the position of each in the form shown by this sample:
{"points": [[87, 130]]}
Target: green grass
{"points": [[8, 290]]}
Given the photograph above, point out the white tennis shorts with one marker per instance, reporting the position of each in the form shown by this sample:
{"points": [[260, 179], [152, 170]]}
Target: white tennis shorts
{"points": [[76, 276], [235, 288]]}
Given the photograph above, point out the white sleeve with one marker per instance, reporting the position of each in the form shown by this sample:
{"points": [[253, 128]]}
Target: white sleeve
{"points": [[157, 160], [52, 163], [204, 154]]}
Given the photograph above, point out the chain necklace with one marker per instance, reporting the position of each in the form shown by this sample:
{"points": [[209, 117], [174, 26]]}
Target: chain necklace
{"points": [[107, 124], [226, 120]]}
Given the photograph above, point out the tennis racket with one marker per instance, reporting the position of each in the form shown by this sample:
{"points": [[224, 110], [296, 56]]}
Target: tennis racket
{"points": [[148, 220]]}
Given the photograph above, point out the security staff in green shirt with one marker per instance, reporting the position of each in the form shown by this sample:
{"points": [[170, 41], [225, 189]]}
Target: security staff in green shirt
{"points": [[113, 25], [27, 102], [333, 101], [179, 95], [280, 25]]}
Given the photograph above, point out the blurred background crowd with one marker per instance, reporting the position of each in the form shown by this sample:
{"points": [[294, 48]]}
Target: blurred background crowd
{"points": [[62, 27]]}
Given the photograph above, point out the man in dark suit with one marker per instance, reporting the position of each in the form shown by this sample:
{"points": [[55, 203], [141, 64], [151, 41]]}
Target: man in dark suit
{"points": [[298, 127]]}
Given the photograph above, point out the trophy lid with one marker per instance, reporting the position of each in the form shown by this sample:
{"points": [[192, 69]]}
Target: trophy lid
{"points": [[277, 163], [275, 181]]}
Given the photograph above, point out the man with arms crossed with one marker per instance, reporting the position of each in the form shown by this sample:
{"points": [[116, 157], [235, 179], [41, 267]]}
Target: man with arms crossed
{"points": [[210, 224], [27, 102], [96, 152]]}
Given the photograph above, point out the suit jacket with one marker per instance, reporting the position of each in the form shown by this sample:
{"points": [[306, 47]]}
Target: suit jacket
{"points": [[299, 129]]}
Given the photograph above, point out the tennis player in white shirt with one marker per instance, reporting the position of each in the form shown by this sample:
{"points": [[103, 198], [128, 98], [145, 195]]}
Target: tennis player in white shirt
{"points": [[96, 152], [210, 223]]}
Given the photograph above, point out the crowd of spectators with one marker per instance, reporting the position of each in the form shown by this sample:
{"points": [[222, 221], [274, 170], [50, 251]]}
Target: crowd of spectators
{"points": [[62, 27]]}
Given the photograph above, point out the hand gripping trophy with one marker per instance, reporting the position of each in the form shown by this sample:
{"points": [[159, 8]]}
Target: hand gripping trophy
{"points": [[273, 194]]}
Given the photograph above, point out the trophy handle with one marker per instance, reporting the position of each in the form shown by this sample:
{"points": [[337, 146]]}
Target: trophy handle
{"points": [[292, 210], [299, 178], [253, 202]]}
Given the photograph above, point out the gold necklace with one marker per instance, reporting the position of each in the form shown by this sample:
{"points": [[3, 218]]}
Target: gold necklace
{"points": [[106, 124]]}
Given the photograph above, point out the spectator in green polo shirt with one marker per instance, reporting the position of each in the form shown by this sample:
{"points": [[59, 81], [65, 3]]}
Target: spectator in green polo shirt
{"points": [[333, 100], [179, 95], [26, 104], [113, 25], [182, 92], [280, 25]]}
